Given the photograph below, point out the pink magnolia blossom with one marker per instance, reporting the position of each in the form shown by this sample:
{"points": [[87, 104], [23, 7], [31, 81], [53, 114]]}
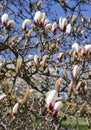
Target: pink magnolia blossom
{"points": [[25, 23], [57, 106], [62, 24], [4, 19], [54, 27], [15, 109], [51, 98]]}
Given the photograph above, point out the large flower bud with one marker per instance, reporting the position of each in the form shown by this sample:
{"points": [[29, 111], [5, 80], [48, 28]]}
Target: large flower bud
{"points": [[51, 98], [10, 23], [60, 56], [25, 23], [75, 48], [15, 109], [76, 71], [48, 27], [68, 29], [54, 27], [62, 24], [83, 51], [88, 48], [79, 86], [4, 19], [70, 89], [57, 106], [57, 84], [38, 17]]}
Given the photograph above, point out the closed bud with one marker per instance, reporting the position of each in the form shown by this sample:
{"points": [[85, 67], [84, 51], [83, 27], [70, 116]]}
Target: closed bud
{"points": [[57, 106], [39, 5], [83, 51], [70, 89], [79, 86], [60, 56], [18, 65], [54, 27], [4, 19], [75, 72], [58, 84], [25, 23], [10, 23], [43, 62], [62, 24], [25, 98], [68, 29], [73, 19], [48, 27], [15, 109], [65, 74]]}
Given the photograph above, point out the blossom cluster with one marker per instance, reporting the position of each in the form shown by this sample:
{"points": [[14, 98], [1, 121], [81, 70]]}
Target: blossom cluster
{"points": [[52, 103], [40, 20]]}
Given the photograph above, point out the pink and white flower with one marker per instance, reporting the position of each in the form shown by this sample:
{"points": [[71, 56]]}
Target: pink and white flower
{"points": [[4, 19], [10, 23], [25, 23], [75, 48], [39, 17], [68, 29], [60, 56], [62, 24], [48, 27], [54, 27], [57, 106], [15, 109], [51, 98]]}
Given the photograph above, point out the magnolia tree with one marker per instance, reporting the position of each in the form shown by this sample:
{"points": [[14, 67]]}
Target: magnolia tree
{"points": [[45, 64]]}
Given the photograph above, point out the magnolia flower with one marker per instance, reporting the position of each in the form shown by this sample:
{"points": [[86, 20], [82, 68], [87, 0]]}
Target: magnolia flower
{"points": [[62, 24], [10, 23], [46, 21], [36, 60], [75, 48], [15, 109], [57, 107], [51, 98], [54, 27], [78, 86], [84, 51], [38, 18], [4, 19], [48, 27], [25, 23], [88, 48], [68, 29], [75, 71], [60, 56]]}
